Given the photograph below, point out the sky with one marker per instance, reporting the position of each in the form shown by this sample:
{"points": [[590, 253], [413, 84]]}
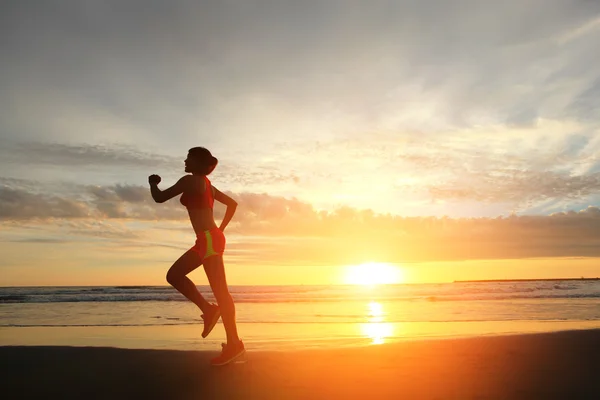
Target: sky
{"points": [[451, 140]]}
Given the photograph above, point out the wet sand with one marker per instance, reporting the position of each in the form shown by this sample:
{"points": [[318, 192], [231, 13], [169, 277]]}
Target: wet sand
{"points": [[560, 365]]}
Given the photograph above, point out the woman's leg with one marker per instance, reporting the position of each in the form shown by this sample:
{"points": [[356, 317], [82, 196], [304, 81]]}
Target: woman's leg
{"points": [[176, 276], [215, 271]]}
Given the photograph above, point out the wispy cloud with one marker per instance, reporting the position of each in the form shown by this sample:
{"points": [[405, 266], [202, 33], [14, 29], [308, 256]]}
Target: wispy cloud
{"points": [[20, 204], [84, 155], [294, 232], [297, 100], [586, 28], [521, 188], [38, 240]]}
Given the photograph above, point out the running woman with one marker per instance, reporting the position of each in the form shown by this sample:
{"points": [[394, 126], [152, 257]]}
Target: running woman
{"points": [[198, 195]]}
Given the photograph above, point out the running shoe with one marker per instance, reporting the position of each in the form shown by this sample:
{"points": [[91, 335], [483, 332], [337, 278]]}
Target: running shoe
{"points": [[229, 354], [210, 319]]}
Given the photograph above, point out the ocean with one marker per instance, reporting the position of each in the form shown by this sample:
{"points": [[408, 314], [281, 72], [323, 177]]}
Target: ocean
{"points": [[284, 317]]}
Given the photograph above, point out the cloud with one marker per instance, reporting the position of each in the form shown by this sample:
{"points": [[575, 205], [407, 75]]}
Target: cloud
{"points": [[101, 162], [292, 230], [118, 201], [39, 240], [586, 28], [352, 236], [21, 204], [130, 201], [255, 68], [84, 155], [585, 104], [299, 98], [562, 168], [522, 188]]}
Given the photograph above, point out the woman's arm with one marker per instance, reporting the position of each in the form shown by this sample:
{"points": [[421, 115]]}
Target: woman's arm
{"points": [[231, 207], [160, 196]]}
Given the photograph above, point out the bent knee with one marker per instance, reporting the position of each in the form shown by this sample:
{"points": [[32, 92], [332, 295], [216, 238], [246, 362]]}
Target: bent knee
{"points": [[173, 277]]}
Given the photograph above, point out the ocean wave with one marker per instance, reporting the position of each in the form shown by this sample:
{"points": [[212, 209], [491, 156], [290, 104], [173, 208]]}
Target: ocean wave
{"points": [[13, 298], [91, 298], [316, 294]]}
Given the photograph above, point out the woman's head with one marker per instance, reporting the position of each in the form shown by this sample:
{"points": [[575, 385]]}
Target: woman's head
{"points": [[200, 161]]}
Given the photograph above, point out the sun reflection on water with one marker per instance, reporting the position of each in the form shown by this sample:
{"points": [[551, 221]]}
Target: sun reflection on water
{"points": [[376, 329]]}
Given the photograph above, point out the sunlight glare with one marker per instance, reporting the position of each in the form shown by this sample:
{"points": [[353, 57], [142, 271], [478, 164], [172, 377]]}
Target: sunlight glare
{"points": [[375, 310], [376, 329], [373, 273]]}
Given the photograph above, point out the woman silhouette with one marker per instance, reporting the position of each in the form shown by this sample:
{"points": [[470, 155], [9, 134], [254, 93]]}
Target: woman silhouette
{"points": [[197, 196]]}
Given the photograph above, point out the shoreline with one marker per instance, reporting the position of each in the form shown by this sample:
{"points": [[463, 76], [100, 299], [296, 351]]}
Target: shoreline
{"points": [[555, 365], [265, 336]]}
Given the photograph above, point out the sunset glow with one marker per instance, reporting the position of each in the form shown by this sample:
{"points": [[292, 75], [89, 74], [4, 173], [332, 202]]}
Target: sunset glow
{"points": [[377, 329], [246, 199], [373, 273], [427, 157]]}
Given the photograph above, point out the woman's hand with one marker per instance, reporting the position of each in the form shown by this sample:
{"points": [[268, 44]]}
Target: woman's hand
{"points": [[154, 179]]}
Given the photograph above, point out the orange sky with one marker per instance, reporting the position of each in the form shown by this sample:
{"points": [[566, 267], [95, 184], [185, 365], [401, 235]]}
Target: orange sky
{"points": [[300, 249], [348, 132]]}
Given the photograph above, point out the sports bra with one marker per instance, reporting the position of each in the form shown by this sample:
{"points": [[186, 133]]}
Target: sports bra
{"points": [[203, 200]]}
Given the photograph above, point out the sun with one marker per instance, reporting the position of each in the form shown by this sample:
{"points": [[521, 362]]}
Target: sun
{"points": [[373, 273]]}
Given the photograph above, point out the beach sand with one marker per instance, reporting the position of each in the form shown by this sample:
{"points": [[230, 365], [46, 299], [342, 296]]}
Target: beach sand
{"points": [[560, 365]]}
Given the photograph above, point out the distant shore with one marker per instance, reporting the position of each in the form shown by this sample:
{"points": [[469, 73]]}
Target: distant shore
{"points": [[560, 365], [528, 280]]}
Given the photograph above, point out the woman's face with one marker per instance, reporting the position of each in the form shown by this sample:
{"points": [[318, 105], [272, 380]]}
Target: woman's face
{"points": [[190, 164]]}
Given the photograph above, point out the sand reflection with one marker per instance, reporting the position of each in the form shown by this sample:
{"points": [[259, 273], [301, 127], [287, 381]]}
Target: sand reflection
{"points": [[376, 329]]}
